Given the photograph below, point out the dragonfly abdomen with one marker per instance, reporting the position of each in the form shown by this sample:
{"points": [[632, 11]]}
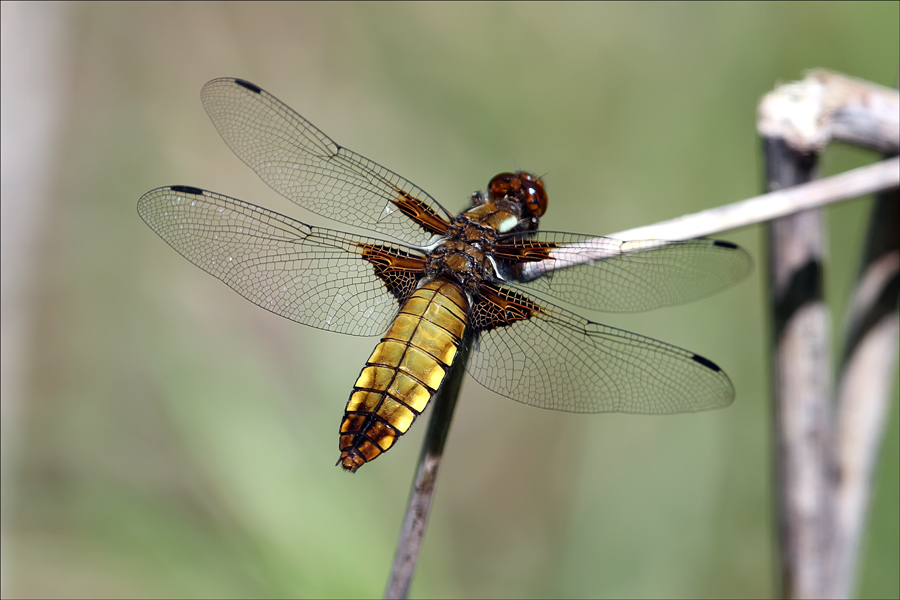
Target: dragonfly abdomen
{"points": [[404, 372]]}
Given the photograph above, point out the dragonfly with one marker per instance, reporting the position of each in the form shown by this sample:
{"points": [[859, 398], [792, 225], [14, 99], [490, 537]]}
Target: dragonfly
{"points": [[431, 282]]}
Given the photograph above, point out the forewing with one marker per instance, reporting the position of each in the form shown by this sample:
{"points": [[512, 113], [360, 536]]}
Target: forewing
{"points": [[310, 275], [612, 275], [545, 356], [307, 167]]}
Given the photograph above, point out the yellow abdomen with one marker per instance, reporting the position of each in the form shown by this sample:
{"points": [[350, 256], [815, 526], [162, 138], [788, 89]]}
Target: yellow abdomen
{"points": [[404, 372]]}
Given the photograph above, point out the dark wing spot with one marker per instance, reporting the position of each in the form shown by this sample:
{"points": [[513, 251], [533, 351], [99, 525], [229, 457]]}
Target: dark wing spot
{"points": [[246, 84], [728, 245], [706, 363], [186, 189]]}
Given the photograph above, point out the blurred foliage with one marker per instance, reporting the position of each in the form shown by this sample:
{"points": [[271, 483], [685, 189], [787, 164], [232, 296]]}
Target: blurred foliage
{"points": [[175, 440]]}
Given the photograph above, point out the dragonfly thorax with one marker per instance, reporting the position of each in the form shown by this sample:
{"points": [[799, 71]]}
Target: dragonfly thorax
{"points": [[463, 256]]}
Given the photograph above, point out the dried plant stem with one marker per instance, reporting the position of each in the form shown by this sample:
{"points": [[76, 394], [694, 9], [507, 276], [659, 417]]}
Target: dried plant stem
{"points": [[801, 379], [863, 390], [761, 209], [825, 452], [422, 493]]}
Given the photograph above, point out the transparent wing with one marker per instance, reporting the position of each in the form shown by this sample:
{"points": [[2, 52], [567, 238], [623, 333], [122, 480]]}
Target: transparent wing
{"points": [[557, 360], [307, 274], [307, 167], [617, 276]]}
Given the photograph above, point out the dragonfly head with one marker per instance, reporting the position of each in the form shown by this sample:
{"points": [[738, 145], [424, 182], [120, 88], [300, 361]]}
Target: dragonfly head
{"points": [[521, 187]]}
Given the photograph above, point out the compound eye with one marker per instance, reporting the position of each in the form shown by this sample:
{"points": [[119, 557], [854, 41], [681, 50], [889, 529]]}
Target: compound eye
{"points": [[536, 201], [500, 185]]}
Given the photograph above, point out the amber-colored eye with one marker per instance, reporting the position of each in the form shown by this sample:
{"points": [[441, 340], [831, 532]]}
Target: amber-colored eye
{"points": [[535, 200], [501, 185]]}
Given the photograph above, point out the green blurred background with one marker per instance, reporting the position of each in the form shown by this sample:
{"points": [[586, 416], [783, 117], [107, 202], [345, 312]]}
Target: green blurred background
{"points": [[163, 437]]}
